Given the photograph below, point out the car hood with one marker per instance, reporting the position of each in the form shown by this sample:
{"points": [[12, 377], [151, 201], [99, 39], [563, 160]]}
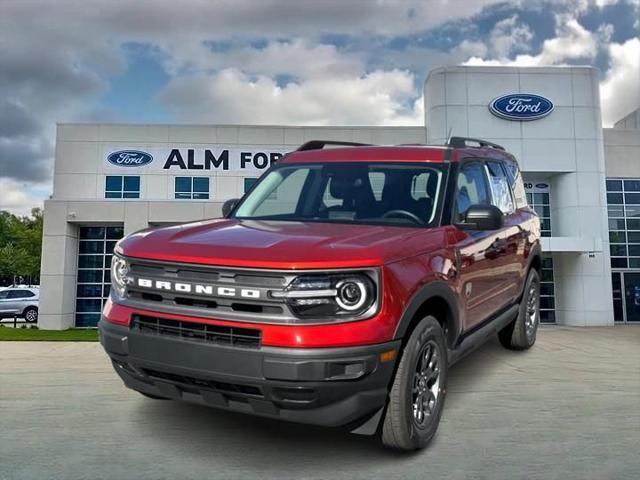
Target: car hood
{"points": [[272, 244]]}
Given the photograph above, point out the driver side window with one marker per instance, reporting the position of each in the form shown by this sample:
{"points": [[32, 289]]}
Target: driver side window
{"points": [[471, 188]]}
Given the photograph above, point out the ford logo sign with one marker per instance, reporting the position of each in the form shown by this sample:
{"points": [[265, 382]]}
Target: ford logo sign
{"points": [[521, 106], [130, 158]]}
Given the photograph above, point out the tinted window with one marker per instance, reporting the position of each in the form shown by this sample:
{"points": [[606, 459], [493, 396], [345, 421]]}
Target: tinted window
{"points": [[500, 187], [472, 188], [3, 294], [20, 294], [517, 185]]}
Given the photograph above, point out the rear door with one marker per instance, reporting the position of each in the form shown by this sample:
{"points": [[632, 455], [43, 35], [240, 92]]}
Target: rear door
{"points": [[9, 301], [506, 250]]}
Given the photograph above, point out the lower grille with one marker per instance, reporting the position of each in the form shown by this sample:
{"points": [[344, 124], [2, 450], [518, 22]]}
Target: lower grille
{"points": [[193, 331], [198, 383]]}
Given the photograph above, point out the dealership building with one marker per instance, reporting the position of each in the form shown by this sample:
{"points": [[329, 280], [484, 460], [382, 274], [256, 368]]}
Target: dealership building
{"points": [[583, 180]]}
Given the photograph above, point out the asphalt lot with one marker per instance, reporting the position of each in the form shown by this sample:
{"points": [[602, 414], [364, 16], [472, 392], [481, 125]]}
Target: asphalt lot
{"points": [[567, 409]]}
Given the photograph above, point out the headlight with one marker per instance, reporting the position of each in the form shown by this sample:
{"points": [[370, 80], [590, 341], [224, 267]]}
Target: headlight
{"points": [[120, 275], [339, 295]]}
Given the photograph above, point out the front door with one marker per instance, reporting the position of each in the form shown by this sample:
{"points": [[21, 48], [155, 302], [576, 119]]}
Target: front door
{"points": [[632, 296]]}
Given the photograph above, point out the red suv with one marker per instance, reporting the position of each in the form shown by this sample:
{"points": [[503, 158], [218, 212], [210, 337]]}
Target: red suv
{"points": [[337, 291]]}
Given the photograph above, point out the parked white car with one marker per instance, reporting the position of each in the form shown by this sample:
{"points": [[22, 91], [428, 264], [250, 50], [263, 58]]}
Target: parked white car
{"points": [[21, 302]]}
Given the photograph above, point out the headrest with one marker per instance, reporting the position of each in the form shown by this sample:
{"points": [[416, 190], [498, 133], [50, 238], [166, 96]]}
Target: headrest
{"points": [[342, 186]]}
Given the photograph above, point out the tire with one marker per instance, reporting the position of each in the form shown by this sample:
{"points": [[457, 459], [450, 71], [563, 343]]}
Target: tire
{"points": [[149, 395], [521, 333], [403, 428], [30, 314]]}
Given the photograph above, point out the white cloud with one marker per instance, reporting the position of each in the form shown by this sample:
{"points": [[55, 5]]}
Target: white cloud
{"points": [[20, 197], [508, 36], [620, 90], [231, 96]]}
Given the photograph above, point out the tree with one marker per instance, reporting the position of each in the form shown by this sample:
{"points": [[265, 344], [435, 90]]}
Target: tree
{"points": [[20, 245]]}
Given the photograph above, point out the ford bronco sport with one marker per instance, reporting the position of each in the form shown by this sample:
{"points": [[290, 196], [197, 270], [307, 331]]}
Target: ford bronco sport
{"points": [[337, 291]]}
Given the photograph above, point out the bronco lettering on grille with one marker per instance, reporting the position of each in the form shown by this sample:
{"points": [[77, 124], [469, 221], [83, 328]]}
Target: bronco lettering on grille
{"points": [[199, 289]]}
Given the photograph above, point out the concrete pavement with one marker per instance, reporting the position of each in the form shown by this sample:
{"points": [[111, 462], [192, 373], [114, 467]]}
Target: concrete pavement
{"points": [[567, 409]]}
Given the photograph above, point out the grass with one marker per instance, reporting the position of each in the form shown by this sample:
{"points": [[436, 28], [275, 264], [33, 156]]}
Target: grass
{"points": [[8, 334]]}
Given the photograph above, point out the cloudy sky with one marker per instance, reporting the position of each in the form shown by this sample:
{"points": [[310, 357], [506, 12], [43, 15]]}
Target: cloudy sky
{"points": [[316, 62]]}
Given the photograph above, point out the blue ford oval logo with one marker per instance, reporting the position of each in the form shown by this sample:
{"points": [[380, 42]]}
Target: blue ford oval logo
{"points": [[521, 106], [130, 158]]}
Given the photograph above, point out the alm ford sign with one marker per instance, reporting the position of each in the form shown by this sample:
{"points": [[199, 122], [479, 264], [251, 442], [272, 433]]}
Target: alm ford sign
{"points": [[521, 106], [130, 158]]}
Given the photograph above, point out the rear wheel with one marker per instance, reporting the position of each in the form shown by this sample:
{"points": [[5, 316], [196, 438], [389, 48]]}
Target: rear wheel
{"points": [[418, 391], [30, 314], [521, 333]]}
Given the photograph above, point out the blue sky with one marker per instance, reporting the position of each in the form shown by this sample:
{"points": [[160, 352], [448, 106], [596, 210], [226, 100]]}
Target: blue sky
{"points": [[328, 62]]}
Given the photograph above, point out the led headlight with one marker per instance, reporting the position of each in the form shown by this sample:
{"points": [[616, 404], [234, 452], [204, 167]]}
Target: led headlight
{"points": [[119, 275], [331, 296]]}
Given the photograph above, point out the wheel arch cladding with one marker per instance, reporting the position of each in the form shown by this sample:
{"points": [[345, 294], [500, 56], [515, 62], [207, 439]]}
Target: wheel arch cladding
{"points": [[435, 299]]}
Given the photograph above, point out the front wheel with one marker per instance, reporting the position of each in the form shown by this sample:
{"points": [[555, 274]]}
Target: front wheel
{"points": [[521, 333], [418, 391], [30, 314]]}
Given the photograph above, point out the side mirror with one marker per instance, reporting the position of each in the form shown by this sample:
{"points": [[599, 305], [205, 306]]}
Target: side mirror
{"points": [[228, 206], [482, 217]]}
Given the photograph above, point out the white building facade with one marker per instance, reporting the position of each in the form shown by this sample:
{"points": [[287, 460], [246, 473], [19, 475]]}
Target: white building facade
{"points": [[111, 180]]}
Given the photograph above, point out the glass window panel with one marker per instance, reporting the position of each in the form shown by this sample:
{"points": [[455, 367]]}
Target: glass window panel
{"points": [[183, 196], [547, 289], [546, 276], [113, 195], [90, 261], [132, 184], [614, 185], [614, 198], [547, 316], [106, 289], [248, 183], [617, 237], [131, 195], [529, 198], [545, 224], [634, 250], [547, 303], [201, 184], [632, 185], [113, 183], [634, 263], [633, 211], [107, 261], [200, 196], [633, 237], [183, 184], [618, 250], [90, 276], [633, 224], [91, 233], [632, 198], [541, 198], [545, 233], [107, 276], [89, 290], [616, 212], [109, 246], [87, 319], [616, 224], [472, 188], [547, 262], [95, 246], [88, 305], [115, 233], [618, 263], [618, 313], [543, 210]]}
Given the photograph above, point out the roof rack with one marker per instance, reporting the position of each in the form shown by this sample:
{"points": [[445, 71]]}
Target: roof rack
{"points": [[320, 144], [461, 142]]}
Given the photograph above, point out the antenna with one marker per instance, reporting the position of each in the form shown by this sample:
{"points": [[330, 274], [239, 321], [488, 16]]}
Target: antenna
{"points": [[449, 135]]}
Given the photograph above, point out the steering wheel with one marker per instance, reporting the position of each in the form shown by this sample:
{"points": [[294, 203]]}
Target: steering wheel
{"points": [[406, 213]]}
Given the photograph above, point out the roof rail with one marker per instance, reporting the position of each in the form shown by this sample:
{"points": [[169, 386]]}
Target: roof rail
{"points": [[320, 144], [461, 142]]}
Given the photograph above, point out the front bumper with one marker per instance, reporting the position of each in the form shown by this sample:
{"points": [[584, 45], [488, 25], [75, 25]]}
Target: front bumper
{"points": [[321, 386]]}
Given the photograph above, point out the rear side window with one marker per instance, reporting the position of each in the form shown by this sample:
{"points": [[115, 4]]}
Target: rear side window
{"points": [[472, 188], [500, 187], [20, 294], [517, 185]]}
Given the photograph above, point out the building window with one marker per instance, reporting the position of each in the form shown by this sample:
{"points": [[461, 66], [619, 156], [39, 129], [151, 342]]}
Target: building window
{"points": [[539, 199], [95, 248], [623, 199], [248, 183], [122, 186], [192, 188]]}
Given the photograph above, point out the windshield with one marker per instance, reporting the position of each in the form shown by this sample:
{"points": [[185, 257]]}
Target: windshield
{"points": [[375, 193]]}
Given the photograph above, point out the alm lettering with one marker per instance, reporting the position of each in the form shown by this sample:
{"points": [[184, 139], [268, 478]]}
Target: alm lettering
{"points": [[521, 105], [259, 160]]}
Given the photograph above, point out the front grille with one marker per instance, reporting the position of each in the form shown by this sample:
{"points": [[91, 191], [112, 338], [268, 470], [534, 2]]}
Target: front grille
{"points": [[199, 383], [258, 305], [193, 331]]}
